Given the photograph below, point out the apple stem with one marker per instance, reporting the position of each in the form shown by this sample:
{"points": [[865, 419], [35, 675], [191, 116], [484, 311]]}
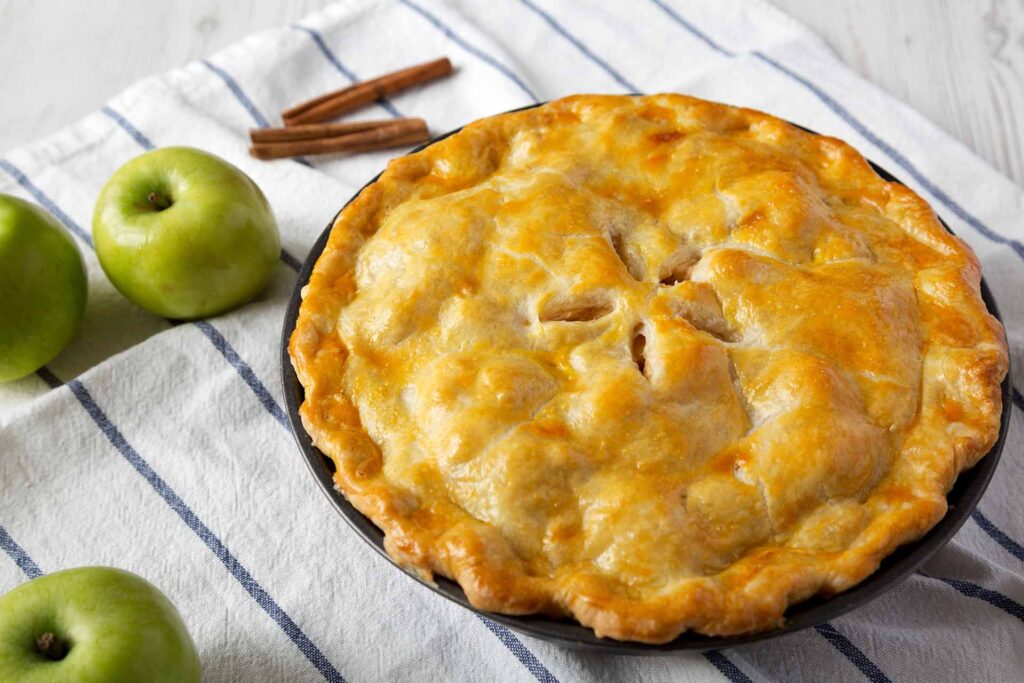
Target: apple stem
{"points": [[159, 201], [51, 647]]}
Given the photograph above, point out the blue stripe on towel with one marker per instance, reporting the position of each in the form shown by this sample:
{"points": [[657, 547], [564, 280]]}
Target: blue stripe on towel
{"points": [[216, 546], [697, 33], [475, 51], [18, 554], [244, 100], [973, 590], [580, 46], [726, 667], [47, 376], [998, 535], [45, 201], [517, 648], [852, 652], [988, 526], [134, 132], [342, 69], [239, 94], [243, 369], [290, 261]]}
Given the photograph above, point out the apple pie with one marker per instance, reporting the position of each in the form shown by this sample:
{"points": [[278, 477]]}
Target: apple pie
{"points": [[651, 362]]}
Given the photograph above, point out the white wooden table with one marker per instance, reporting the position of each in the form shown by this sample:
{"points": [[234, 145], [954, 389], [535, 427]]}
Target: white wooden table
{"points": [[959, 62]]}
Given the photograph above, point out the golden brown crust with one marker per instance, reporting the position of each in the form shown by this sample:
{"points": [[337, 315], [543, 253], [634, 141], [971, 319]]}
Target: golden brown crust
{"points": [[653, 362]]}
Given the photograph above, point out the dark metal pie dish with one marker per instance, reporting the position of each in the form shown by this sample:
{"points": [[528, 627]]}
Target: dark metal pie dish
{"points": [[962, 499]]}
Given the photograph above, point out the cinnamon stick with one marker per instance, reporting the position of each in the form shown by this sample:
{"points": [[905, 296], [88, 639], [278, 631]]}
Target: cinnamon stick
{"points": [[335, 103], [314, 131], [399, 132]]}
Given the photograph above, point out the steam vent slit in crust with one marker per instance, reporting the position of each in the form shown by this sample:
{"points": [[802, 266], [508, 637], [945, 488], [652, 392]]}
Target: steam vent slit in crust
{"points": [[654, 363]]}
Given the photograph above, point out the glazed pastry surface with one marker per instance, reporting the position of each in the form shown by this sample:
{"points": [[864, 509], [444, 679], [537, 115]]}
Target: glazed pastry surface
{"points": [[656, 363]]}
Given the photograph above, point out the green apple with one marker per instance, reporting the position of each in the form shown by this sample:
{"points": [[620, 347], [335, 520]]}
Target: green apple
{"points": [[185, 234], [42, 287], [93, 625]]}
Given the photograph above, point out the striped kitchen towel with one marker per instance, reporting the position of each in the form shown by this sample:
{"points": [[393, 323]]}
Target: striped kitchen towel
{"points": [[164, 449]]}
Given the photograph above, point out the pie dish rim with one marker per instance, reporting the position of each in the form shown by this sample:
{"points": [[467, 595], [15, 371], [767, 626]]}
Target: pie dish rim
{"points": [[962, 498]]}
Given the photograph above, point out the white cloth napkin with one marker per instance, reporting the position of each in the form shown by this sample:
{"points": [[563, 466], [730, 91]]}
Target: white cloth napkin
{"points": [[164, 449]]}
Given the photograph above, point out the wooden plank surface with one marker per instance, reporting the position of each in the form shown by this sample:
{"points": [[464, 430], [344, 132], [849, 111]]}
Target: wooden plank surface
{"points": [[959, 62]]}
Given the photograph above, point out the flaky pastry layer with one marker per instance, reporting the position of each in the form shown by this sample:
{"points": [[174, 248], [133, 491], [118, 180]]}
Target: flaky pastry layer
{"points": [[656, 363]]}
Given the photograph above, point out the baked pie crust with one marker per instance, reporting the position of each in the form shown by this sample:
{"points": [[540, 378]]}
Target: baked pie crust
{"points": [[657, 363]]}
